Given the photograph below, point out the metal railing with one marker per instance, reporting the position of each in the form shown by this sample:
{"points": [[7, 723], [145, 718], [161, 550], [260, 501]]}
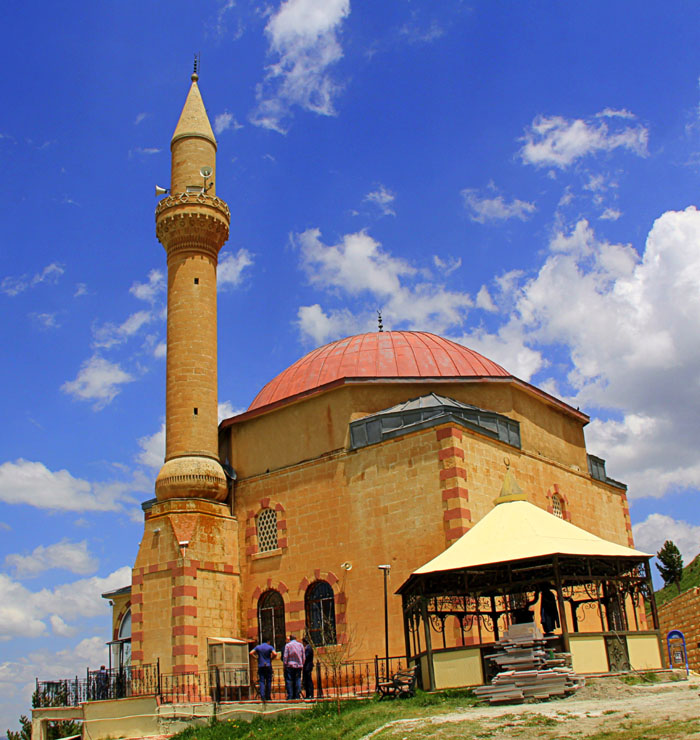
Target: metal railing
{"points": [[116, 683], [351, 679]]}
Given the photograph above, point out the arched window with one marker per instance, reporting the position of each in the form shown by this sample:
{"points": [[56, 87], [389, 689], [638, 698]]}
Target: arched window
{"points": [[271, 619], [320, 613], [121, 647], [557, 508], [266, 524]]}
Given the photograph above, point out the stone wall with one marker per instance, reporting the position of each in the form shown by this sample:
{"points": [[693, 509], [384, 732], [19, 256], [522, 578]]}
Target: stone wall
{"points": [[402, 502], [683, 613]]}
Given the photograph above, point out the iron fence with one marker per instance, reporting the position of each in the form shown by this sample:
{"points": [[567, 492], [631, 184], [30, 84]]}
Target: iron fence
{"points": [[350, 679], [115, 683]]}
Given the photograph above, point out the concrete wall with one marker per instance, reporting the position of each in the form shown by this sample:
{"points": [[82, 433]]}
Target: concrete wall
{"points": [[132, 717]]}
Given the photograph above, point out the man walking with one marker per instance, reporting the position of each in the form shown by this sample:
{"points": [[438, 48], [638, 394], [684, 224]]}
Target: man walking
{"points": [[293, 659], [264, 653], [307, 673]]}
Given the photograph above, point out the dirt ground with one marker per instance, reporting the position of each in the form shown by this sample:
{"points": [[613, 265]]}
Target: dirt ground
{"points": [[605, 709]]}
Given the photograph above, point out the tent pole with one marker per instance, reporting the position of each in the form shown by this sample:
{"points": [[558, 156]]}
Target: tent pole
{"points": [[428, 643], [562, 606], [652, 598], [406, 630]]}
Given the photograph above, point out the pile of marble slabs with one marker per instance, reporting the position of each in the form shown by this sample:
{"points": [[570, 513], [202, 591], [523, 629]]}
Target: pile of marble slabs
{"points": [[526, 671]]}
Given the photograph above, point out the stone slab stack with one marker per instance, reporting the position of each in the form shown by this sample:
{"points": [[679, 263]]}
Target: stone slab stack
{"points": [[527, 669]]}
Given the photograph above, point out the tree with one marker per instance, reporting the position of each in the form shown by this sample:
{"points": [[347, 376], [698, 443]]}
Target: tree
{"points": [[333, 654], [55, 729], [671, 567]]}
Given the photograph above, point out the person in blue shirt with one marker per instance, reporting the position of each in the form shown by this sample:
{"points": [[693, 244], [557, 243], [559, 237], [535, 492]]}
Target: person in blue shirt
{"points": [[265, 653]]}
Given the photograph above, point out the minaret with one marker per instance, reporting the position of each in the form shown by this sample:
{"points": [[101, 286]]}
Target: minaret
{"points": [[186, 579], [192, 224]]}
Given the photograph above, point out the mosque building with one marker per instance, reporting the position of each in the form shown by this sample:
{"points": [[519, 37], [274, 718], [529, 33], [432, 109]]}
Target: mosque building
{"points": [[381, 449]]}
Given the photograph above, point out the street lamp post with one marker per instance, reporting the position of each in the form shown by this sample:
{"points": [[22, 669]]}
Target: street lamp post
{"points": [[386, 569]]}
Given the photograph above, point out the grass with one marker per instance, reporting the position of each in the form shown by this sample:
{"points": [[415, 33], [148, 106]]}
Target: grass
{"points": [[633, 679], [665, 730], [321, 722]]}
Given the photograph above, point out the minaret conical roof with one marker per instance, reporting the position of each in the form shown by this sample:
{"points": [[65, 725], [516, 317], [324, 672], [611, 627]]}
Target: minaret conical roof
{"points": [[193, 119]]}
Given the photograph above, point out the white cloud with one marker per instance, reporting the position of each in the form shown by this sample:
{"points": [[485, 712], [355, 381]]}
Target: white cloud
{"points": [[33, 484], [47, 320], [447, 266], [23, 613], [144, 150], [13, 286], [507, 348], [320, 327], [484, 208], [17, 677], [358, 267], [650, 535], [226, 410], [556, 141], [160, 350], [231, 267], [303, 35], [150, 290], [383, 199], [613, 113], [82, 598], [610, 214], [80, 290], [629, 325], [140, 118], [109, 335], [98, 380], [417, 34], [483, 299], [60, 628], [72, 556], [225, 121], [152, 447]]}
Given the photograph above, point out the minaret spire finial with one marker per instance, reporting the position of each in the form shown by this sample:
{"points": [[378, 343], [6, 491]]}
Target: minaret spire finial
{"points": [[195, 73]]}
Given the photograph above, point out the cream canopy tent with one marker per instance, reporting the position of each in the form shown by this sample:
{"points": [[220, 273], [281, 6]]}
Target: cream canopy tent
{"points": [[518, 530], [515, 552]]}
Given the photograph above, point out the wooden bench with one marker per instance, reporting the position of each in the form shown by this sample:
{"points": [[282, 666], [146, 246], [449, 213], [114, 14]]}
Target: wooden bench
{"points": [[401, 685]]}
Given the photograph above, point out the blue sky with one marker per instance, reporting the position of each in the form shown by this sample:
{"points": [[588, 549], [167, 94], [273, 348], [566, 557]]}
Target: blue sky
{"points": [[520, 177]]}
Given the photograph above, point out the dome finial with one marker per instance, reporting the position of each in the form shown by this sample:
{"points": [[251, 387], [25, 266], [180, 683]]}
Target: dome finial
{"points": [[195, 73], [379, 320], [510, 490]]}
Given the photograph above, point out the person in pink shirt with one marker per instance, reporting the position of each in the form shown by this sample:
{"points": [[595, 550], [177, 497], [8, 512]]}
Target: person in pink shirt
{"points": [[293, 659]]}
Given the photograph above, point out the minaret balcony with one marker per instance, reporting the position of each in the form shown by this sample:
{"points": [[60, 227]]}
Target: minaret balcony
{"points": [[192, 221]]}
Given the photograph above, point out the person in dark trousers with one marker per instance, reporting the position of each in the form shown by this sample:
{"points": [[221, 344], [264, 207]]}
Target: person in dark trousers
{"points": [[549, 614], [265, 653], [102, 683], [307, 675], [293, 659]]}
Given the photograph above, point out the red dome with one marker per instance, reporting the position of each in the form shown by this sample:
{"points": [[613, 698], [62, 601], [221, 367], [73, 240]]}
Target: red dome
{"points": [[389, 354]]}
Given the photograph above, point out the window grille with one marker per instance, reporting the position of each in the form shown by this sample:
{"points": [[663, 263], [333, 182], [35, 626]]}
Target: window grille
{"points": [[320, 614], [557, 507], [271, 619], [267, 530]]}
